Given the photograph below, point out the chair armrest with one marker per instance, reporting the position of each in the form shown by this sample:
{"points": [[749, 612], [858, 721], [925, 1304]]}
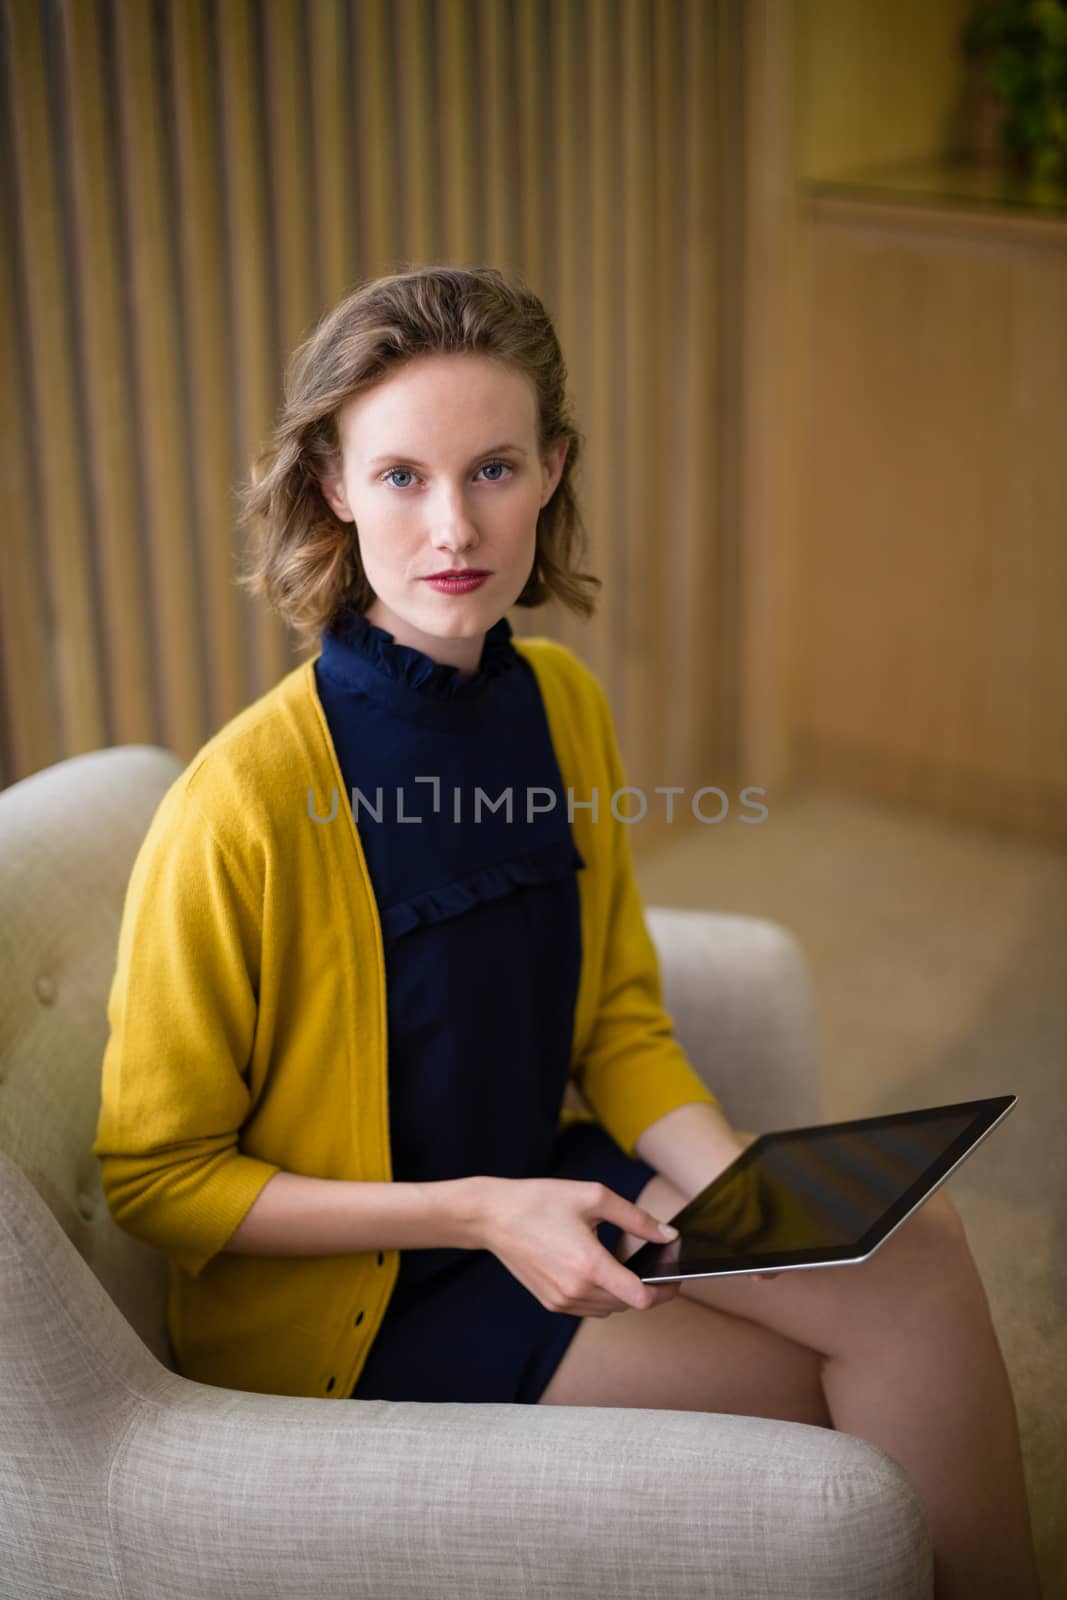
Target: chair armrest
{"points": [[739, 993], [120, 1479]]}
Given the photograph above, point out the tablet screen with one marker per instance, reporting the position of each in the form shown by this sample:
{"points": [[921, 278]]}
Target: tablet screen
{"points": [[819, 1195]]}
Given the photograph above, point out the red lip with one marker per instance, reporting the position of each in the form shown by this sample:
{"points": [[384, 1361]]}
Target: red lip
{"points": [[460, 572]]}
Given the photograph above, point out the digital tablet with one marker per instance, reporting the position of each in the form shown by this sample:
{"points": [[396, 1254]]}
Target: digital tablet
{"points": [[825, 1196]]}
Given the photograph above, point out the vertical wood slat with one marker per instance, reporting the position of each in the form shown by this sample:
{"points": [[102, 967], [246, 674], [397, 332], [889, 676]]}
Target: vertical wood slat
{"points": [[60, 522], [327, 45], [110, 414], [32, 735], [761, 694], [684, 459], [460, 190], [537, 100], [291, 226], [372, 196], [255, 377], [535, 240], [727, 146], [203, 270], [569, 187], [414, 96], [31, 725], [291, 195], [291, 221], [158, 353], [604, 467], [528, 23], [694, 598], [495, 131], [639, 615], [528, 247]]}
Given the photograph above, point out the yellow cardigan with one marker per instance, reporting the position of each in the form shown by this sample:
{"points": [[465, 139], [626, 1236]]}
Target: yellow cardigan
{"points": [[248, 1025]]}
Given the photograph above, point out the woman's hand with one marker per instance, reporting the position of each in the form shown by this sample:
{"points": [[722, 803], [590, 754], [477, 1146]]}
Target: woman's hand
{"points": [[544, 1232]]}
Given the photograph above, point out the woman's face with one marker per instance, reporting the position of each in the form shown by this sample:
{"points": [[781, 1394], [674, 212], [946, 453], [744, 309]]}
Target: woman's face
{"points": [[440, 471]]}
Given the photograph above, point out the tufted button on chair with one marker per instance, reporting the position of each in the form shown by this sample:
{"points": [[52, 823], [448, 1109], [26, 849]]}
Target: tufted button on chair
{"points": [[122, 1480]]}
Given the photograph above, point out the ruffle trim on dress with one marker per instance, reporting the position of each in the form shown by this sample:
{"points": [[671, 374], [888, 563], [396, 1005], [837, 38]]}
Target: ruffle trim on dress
{"points": [[547, 864], [412, 667]]}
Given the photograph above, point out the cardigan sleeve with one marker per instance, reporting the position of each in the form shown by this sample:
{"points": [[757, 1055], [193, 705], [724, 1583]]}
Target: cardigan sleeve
{"points": [[633, 1070], [182, 1014]]}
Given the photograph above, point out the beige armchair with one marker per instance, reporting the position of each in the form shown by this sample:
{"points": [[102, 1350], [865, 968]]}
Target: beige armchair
{"points": [[121, 1479]]}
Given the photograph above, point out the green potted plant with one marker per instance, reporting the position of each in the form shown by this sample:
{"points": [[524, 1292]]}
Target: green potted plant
{"points": [[1021, 46]]}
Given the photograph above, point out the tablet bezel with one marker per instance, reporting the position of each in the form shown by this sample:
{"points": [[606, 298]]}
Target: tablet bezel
{"points": [[650, 1261]]}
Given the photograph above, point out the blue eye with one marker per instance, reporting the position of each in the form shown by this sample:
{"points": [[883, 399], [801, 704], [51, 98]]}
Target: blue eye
{"points": [[407, 472]]}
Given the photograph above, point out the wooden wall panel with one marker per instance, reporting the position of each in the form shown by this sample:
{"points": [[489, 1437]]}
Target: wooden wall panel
{"points": [[934, 587], [190, 185]]}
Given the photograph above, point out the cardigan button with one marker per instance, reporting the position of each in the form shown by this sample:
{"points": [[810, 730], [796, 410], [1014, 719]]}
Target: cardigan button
{"points": [[358, 1320], [45, 988], [381, 1259], [329, 1386]]}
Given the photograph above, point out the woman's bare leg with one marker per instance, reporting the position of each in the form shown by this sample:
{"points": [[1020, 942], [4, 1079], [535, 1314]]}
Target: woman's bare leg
{"points": [[910, 1362], [939, 1401]]}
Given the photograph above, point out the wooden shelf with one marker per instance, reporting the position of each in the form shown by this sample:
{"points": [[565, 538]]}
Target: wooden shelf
{"points": [[967, 184], [964, 199]]}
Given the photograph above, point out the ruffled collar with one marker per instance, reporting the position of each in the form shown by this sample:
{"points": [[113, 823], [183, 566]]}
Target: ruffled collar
{"points": [[361, 655]]}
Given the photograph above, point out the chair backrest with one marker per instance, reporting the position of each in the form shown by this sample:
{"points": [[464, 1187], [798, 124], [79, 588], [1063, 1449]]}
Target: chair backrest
{"points": [[738, 990], [68, 839]]}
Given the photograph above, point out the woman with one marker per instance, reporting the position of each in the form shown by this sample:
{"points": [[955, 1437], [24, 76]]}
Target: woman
{"points": [[387, 912]]}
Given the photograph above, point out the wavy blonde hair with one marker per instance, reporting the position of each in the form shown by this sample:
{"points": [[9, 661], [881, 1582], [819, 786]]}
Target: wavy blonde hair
{"points": [[303, 559]]}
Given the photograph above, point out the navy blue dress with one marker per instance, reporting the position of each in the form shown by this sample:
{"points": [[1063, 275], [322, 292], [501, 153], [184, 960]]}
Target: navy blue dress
{"points": [[474, 868]]}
